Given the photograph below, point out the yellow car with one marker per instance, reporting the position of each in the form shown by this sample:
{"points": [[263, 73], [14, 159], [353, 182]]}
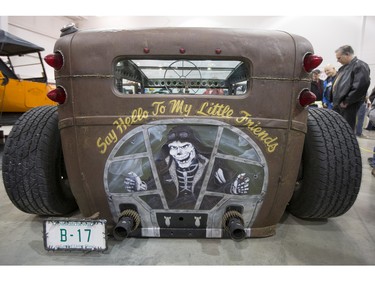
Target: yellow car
{"points": [[18, 92]]}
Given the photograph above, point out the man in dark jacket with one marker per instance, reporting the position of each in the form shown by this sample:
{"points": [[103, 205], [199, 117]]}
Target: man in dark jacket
{"points": [[350, 87]]}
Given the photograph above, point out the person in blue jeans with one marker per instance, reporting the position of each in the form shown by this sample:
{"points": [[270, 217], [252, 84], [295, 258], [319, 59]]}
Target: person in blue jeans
{"points": [[360, 119], [371, 116], [350, 87], [372, 163]]}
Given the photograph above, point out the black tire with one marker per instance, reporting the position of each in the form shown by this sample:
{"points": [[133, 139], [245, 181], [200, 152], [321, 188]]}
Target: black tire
{"points": [[33, 166], [331, 168]]}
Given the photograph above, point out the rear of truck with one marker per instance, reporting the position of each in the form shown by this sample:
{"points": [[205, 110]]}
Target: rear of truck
{"points": [[179, 132], [134, 98]]}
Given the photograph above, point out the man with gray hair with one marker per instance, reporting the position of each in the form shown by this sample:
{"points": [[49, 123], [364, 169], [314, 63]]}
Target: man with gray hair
{"points": [[331, 73], [350, 87]]}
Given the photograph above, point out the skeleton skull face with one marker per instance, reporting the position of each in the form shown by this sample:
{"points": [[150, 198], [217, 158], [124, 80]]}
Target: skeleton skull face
{"points": [[182, 152]]}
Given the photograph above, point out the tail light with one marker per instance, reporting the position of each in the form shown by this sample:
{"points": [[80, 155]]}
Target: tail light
{"points": [[306, 97], [311, 62], [57, 95], [55, 60]]}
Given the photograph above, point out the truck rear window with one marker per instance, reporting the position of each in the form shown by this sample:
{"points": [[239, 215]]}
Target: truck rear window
{"points": [[187, 77]]}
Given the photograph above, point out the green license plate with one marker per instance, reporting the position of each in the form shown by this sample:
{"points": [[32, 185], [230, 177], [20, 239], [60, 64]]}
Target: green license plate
{"points": [[74, 234]]}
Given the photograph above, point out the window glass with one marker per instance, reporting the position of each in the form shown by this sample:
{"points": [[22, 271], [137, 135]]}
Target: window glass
{"points": [[200, 77]]}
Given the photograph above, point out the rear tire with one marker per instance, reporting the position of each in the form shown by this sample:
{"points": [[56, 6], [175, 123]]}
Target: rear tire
{"points": [[33, 165], [331, 168]]}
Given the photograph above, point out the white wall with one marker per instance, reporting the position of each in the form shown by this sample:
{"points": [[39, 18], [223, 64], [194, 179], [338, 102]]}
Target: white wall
{"points": [[42, 31], [326, 33]]}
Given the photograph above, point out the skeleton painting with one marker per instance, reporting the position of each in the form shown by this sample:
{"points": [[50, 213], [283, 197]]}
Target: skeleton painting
{"points": [[182, 166]]}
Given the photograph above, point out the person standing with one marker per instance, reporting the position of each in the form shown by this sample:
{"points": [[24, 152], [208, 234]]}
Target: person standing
{"points": [[351, 85], [331, 73], [361, 114], [371, 116], [370, 126], [317, 86]]}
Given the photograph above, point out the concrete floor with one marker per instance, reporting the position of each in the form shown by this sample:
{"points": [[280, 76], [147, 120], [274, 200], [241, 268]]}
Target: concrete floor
{"points": [[346, 240]]}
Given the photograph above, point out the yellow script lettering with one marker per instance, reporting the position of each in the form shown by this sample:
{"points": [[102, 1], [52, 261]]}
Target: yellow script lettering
{"points": [[159, 108], [179, 107], [215, 109], [101, 145], [257, 131]]}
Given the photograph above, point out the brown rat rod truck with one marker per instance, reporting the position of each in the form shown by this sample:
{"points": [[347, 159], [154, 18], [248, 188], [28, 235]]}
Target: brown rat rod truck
{"points": [[179, 132]]}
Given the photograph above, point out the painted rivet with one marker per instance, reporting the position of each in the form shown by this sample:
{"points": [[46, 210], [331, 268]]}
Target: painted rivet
{"points": [[218, 51], [146, 50], [182, 50]]}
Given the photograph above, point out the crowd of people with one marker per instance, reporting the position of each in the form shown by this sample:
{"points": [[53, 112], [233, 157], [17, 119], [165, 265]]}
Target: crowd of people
{"points": [[346, 91]]}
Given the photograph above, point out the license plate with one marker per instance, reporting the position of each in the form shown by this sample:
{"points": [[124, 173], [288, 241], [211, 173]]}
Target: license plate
{"points": [[74, 234]]}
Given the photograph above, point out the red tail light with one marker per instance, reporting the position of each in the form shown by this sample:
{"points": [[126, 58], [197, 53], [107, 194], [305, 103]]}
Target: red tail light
{"points": [[57, 95], [55, 60], [311, 62], [306, 97]]}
